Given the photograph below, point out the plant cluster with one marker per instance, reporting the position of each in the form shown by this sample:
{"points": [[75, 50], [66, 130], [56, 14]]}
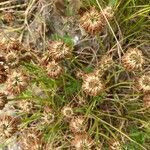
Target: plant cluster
{"points": [[69, 94]]}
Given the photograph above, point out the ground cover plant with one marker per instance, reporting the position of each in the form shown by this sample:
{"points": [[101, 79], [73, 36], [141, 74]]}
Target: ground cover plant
{"points": [[75, 74]]}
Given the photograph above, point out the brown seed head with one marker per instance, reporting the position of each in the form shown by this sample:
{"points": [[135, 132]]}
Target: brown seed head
{"points": [[133, 59], [143, 83], [8, 126], [26, 106], [53, 69], [17, 82], [30, 139], [12, 59], [92, 85], [93, 21], [67, 111], [59, 50], [82, 141], [78, 124], [104, 64]]}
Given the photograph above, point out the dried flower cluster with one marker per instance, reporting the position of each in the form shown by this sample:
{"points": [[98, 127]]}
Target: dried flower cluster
{"points": [[8, 126], [53, 69], [92, 85], [30, 139], [82, 141], [133, 59], [62, 106], [17, 82], [94, 21], [78, 124]]}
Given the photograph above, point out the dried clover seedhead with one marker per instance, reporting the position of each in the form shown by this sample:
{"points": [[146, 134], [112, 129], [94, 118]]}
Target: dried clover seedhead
{"points": [[53, 69], [17, 82], [143, 83], [82, 141], [59, 50], [26, 106], [12, 58], [133, 59], [78, 124], [93, 21], [30, 139], [67, 111], [104, 64], [8, 126], [92, 85]]}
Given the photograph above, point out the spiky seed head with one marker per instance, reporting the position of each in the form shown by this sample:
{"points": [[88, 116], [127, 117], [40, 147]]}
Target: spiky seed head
{"points": [[78, 124], [17, 82], [91, 21], [67, 111], [146, 100], [104, 64], [133, 59], [3, 74], [12, 58], [92, 85], [30, 139], [143, 83], [58, 50], [53, 69], [26, 106], [3, 100], [82, 141], [47, 118], [8, 126]]}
